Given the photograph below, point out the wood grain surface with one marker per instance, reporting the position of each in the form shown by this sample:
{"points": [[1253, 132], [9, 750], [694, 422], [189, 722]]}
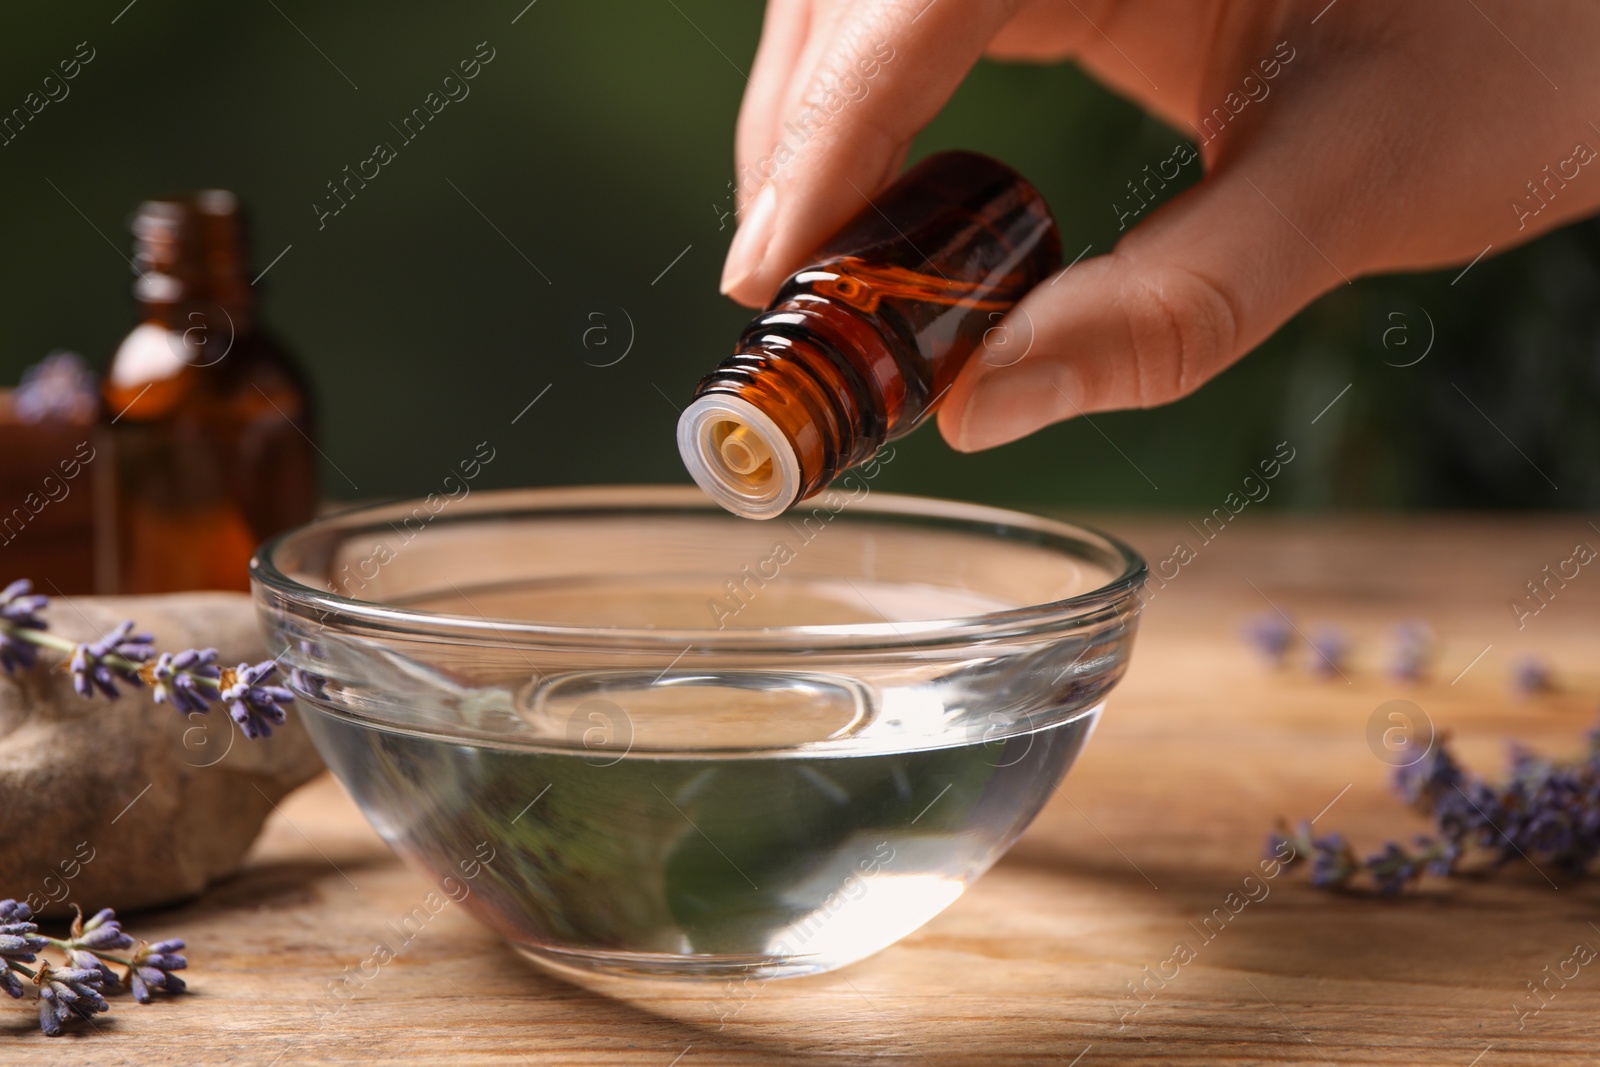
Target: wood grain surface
{"points": [[1163, 818]]}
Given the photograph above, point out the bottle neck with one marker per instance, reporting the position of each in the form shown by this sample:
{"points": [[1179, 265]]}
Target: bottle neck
{"points": [[189, 253], [776, 422]]}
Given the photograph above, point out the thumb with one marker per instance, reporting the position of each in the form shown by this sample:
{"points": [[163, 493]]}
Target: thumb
{"points": [[1205, 279]]}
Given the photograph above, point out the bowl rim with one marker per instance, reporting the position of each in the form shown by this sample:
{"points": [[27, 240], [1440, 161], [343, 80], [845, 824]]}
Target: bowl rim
{"points": [[1085, 608]]}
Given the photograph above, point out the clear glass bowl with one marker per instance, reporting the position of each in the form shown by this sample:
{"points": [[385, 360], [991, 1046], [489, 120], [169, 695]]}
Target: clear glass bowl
{"points": [[633, 733]]}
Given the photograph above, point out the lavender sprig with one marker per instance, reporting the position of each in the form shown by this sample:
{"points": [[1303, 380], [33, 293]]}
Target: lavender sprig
{"points": [[1545, 811], [188, 681], [77, 988]]}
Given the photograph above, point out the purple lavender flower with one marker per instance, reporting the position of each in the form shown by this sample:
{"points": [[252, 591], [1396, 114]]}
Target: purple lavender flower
{"points": [[1547, 828], [1531, 675], [1438, 856], [65, 992], [19, 941], [186, 680], [1545, 811], [90, 671], [102, 933], [1524, 763], [175, 679], [1277, 839], [1301, 846], [152, 969], [1422, 783], [1271, 634], [1330, 646], [252, 703], [59, 386], [87, 961], [19, 608], [77, 989], [1332, 862], [10, 982], [1473, 813], [1392, 869], [1413, 651]]}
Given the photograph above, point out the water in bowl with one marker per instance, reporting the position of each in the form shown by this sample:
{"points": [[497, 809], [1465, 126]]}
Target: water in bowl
{"points": [[794, 862], [711, 822]]}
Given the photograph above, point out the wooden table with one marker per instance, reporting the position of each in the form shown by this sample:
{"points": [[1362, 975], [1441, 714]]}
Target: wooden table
{"points": [[1163, 817]]}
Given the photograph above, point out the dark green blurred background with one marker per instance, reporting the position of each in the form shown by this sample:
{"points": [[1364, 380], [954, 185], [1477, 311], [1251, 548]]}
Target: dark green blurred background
{"points": [[599, 143]]}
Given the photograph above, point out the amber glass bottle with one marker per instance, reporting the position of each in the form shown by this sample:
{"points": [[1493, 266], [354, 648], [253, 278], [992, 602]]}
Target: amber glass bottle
{"points": [[860, 347], [209, 424]]}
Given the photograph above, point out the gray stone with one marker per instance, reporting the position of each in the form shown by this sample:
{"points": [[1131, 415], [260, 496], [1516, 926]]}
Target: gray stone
{"points": [[127, 803]]}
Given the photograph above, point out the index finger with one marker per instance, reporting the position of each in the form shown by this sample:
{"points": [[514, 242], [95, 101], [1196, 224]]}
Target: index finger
{"points": [[884, 70]]}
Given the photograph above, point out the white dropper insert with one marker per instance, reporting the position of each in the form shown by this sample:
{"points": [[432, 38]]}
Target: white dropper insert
{"points": [[738, 456]]}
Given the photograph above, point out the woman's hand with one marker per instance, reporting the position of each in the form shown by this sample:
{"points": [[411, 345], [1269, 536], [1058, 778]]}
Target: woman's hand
{"points": [[1361, 137]]}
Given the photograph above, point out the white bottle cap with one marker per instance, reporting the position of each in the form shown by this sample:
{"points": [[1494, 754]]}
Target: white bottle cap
{"points": [[739, 456]]}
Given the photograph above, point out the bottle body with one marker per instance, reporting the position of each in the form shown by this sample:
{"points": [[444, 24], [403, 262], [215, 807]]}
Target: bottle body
{"points": [[210, 426], [859, 348]]}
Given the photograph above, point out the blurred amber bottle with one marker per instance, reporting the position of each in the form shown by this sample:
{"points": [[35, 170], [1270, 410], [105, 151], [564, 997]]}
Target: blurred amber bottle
{"points": [[209, 424]]}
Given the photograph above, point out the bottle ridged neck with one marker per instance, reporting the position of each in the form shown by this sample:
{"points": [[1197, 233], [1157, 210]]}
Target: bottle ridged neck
{"points": [[189, 254], [825, 410]]}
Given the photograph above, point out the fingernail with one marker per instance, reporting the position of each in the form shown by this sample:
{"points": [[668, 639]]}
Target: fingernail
{"points": [[1014, 402], [750, 242]]}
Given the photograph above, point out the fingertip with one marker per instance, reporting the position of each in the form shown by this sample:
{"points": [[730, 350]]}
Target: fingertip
{"points": [[952, 416], [748, 250], [745, 296], [752, 289], [949, 419]]}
